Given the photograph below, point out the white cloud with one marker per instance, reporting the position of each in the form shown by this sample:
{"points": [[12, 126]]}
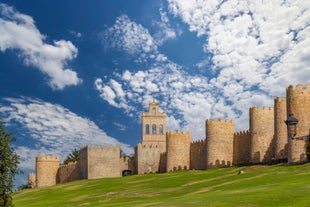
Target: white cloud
{"points": [[184, 97], [18, 32], [257, 49], [120, 126], [130, 37], [261, 43], [166, 30], [54, 129], [75, 34]]}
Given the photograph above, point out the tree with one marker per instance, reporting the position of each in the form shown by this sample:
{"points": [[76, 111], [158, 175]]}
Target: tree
{"points": [[74, 156], [9, 161]]}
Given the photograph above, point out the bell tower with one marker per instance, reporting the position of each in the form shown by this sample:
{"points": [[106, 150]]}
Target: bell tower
{"points": [[153, 124], [151, 151]]}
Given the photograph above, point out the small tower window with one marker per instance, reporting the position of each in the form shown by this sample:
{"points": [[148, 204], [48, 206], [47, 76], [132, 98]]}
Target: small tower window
{"points": [[161, 129], [147, 129], [153, 111], [153, 129]]}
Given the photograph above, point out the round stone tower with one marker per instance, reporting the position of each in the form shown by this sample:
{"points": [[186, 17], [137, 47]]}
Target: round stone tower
{"points": [[262, 133], [280, 129], [219, 142], [298, 103], [46, 170], [178, 151]]}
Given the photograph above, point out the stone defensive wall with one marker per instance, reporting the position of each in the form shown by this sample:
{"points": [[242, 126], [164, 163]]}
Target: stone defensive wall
{"points": [[102, 161], [219, 142], [46, 170], [31, 180], [298, 103], [178, 150], [69, 172], [83, 162], [198, 155], [149, 157], [101, 149], [280, 128], [262, 134], [242, 143], [127, 163]]}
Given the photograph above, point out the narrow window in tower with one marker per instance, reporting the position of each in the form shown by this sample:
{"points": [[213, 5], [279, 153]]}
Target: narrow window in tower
{"points": [[147, 129], [161, 129], [153, 129], [154, 112]]}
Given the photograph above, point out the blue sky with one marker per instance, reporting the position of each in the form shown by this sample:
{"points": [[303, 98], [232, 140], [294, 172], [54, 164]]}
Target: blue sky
{"points": [[75, 73]]}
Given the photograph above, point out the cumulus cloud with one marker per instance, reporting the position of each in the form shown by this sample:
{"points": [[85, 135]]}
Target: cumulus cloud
{"points": [[133, 38], [258, 43], [257, 49], [186, 98], [53, 129], [19, 33], [166, 30]]}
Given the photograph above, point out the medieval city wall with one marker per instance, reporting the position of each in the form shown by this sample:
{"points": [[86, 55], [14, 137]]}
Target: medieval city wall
{"points": [[83, 162], [219, 142], [46, 170], [161, 152], [298, 103], [262, 134], [31, 180], [198, 155], [178, 151], [280, 128], [149, 157], [103, 161], [242, 143], [69, 172], [127, 163]]}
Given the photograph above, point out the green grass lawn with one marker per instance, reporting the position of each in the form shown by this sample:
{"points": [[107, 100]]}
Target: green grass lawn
{"points": [[278, 185]]}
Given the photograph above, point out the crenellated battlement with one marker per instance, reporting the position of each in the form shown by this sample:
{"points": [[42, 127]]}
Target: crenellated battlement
{"points": [[47, 158], [201, 141], [178, 133], [100, 148], [261, 108], [221, 120], [299, 88], [242, 133], [69, 165], [280, 99], [147, 145]]}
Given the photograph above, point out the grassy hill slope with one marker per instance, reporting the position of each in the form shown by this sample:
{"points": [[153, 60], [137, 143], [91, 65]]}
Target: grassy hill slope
{"points": [[258, 186]]}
